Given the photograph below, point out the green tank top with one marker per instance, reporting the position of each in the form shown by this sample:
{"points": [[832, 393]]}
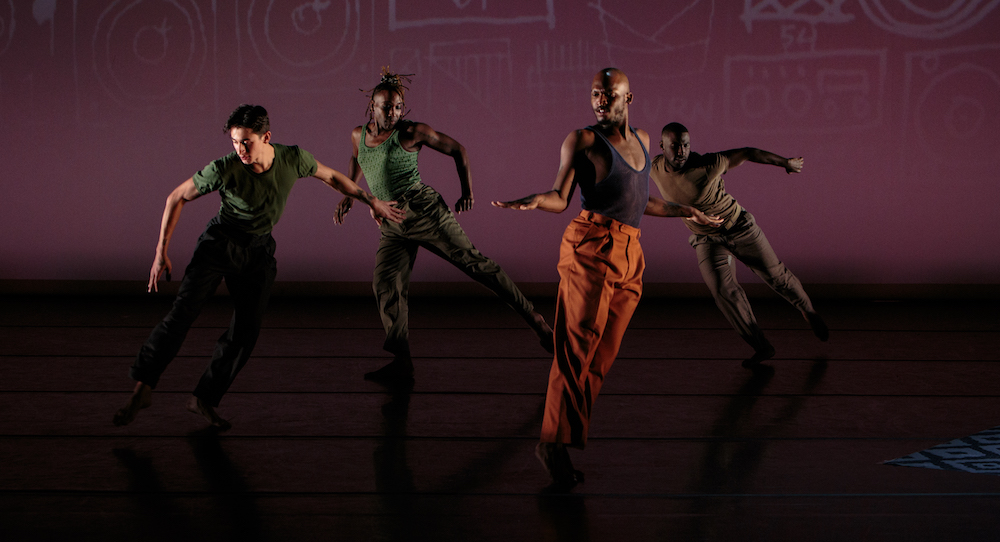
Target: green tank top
{"points": [[389, 169]]}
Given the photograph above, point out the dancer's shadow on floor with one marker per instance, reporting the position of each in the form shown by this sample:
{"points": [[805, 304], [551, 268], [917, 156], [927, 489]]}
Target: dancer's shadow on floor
{"points": [[234, 506], [736, 447], [159, 515]]}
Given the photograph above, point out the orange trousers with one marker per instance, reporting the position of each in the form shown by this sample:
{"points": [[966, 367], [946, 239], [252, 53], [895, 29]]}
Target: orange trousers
{"points": [[600, 283]]}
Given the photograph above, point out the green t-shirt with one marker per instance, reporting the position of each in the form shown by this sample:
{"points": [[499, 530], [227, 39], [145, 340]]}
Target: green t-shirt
{"points": [[254, 202]]}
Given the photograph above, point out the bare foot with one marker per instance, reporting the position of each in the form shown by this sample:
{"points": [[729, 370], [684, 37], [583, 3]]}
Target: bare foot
{"points": [[199, 407], [543, 331], [141, 398]]}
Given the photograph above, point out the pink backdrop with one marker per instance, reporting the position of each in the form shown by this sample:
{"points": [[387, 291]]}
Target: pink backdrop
{"points": [[105, 106]]}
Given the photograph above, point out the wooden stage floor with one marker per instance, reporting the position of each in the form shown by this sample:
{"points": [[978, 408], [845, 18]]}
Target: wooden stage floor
{"points": [[685, 444]]}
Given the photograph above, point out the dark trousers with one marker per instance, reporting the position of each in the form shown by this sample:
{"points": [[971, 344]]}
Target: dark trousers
{"points": [[430, 224], [745, 242], [247, 264]]}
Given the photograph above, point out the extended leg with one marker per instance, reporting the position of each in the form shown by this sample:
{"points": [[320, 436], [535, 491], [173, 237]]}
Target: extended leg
{"points": [[444, 236], [201, 279], [751, 247], [716, 263]]}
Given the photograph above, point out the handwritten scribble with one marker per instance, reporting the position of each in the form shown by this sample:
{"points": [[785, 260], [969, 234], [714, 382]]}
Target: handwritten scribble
{"points": [[813, 92], [147, 53], [308, 18], [156, 54], [306, 40], [950, 104], [681, 42], [805, 11], [907, 18], [483, 68], [414, 13], [560, 73]]}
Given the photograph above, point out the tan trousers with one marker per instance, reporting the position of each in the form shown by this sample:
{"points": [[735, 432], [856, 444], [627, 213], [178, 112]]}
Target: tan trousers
{"points": [[600, 283], [745, 241]]}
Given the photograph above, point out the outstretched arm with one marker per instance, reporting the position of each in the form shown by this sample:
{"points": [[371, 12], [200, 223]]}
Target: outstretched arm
{"points": [[425, 135], [353, 173], [659, 207], [750, 154], [184, 193], [557, 199], [339, 182]]}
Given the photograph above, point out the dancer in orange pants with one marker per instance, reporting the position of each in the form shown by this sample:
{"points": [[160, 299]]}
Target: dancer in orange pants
{"points": [[600, 283], [600, 263]]}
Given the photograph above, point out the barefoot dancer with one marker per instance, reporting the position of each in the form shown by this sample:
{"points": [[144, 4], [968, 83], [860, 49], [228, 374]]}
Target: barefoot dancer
{"points": [[385, 150], [600, 263], [254, 183], [696, 179]]}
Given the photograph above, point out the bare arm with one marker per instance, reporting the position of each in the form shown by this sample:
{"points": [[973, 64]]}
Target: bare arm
{"points": [[425, 135], [339, 182], [353, 173], [557, 199], [758, 156], [184, 193], [659, 207]]}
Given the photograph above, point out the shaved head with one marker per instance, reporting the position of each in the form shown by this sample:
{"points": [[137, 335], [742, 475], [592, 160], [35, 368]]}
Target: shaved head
{"points": [[673, 128], [609, 77], [609, 97]]}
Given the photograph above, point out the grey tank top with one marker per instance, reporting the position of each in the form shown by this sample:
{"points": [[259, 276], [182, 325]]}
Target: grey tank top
{"points": [[623, 194]]}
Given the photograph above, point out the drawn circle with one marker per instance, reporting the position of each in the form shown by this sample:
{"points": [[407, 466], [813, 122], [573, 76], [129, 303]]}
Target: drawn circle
{"points": [[304, 39], [757, 96], [930, 63], [796, 99], [964, 117], [906, 18], [149, 52], [954, 113], [140, 44], [7, 25]]}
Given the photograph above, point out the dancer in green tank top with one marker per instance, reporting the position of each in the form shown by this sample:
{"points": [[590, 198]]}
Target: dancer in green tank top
{"points": [[386, 150]]}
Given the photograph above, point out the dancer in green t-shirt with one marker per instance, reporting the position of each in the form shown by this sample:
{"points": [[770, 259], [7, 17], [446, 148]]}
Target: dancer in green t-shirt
{"points": [[253, 182]]}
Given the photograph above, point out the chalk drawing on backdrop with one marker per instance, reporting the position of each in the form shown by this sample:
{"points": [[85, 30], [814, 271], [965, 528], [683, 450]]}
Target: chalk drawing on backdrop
{"points": [[297, 40], [45, 12], [803, 11], [561, 73], [421, 13], [636, 41], [7, 25], [149, 52], [809, 92], [911, 19], [483, 68], [950, 113]]}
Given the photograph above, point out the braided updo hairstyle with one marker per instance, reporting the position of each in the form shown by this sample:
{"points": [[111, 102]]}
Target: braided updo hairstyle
{"points": [[392, 82]]}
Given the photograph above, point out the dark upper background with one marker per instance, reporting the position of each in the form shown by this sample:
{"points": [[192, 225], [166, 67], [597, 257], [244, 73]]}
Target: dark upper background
{"points": [[105, 106]]}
